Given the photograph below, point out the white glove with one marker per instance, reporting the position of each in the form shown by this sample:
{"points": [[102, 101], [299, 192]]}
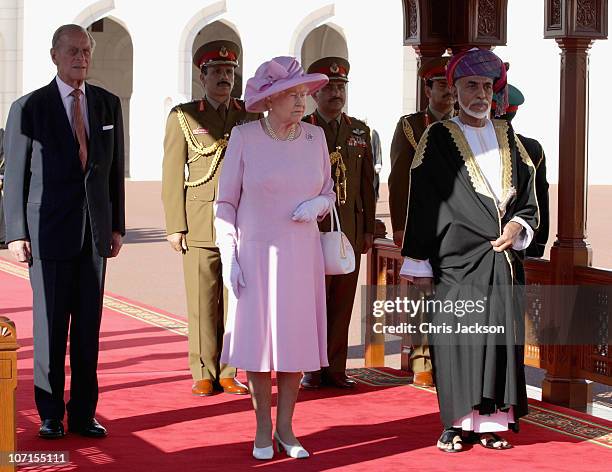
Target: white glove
{"points": [[230, 269], [225, 231], [311, 209]]}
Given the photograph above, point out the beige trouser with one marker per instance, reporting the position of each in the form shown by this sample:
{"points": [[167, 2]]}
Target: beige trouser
{"points": [[207, 310], [420, 359], [340, 298]]}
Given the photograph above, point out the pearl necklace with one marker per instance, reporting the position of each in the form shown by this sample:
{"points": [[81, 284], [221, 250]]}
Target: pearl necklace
{"points": [[273, 135]]}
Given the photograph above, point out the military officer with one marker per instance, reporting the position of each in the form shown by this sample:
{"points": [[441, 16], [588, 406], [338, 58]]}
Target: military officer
{"points": [[408, 132], [196, 137], [348, 141], [536, 154]]}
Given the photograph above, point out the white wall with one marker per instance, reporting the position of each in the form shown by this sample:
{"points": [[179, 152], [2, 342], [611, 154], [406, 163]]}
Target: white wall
{"points": [[535, 69], [163, 38], [382, 86], [11, 16], [600, 151]]}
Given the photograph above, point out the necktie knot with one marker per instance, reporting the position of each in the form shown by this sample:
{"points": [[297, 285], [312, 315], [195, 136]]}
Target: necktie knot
{"points": [[76, 93]]}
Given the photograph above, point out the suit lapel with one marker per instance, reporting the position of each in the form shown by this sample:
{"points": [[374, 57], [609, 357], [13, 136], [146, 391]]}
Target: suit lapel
{"points": [[329, 135], [93, 109], [56, 105], [233, 115], [59, 122], [343, 133]]}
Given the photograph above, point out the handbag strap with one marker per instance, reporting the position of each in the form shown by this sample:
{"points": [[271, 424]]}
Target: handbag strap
{"points": [[335, 217]]}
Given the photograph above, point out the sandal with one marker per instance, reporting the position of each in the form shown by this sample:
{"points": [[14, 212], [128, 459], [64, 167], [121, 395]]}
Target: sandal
{"points": [[450, 440], [493, 441]]}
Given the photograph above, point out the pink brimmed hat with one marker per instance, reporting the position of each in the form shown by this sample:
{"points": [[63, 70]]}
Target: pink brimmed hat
{"points": [[276, 75]]}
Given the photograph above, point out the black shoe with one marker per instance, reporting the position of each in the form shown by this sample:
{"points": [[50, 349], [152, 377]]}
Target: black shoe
{"points": [[90, 429], [338, 380], [311, 380], [51, 429]]}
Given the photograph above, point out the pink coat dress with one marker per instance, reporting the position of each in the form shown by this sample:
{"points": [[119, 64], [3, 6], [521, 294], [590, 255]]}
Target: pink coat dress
{"points": [[278, 321]]}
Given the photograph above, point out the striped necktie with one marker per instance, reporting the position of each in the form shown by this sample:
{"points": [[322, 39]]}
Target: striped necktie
{"points": [[79, 126]]}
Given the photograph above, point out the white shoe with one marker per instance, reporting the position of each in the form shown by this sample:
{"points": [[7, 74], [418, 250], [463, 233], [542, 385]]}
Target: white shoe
{"points": [[297, 452], [263, 453]]}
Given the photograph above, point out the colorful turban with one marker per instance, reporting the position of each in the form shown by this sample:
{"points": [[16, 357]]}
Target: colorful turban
{"points": [[483, 63]]}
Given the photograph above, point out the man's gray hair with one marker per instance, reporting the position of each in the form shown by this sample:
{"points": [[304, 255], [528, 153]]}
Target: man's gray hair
{"points": [[71, 28]]}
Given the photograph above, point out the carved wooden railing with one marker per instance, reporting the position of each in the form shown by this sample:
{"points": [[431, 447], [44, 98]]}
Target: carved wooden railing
{"points": [[8, 385], [593, 362]]}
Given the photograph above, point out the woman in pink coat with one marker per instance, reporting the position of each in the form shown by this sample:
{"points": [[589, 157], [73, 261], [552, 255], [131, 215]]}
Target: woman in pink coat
{"points": [[274, 186]]}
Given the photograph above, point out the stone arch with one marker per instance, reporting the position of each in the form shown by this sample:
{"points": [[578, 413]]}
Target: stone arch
{"points": [[314, 19], [112, 67], [197, 22], [324, 40], [94, 12]]}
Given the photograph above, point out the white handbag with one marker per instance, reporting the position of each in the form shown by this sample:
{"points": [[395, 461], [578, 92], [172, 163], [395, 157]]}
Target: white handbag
{"points": [[338, 253]]}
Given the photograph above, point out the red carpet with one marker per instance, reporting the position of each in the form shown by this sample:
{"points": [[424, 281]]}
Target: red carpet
{"points": [[156, 424]]}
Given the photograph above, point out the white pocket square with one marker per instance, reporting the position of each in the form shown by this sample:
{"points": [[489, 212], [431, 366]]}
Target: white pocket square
{"points": [[107, 127]]}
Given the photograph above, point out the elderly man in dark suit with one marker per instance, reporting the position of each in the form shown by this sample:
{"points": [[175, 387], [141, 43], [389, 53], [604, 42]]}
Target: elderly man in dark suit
{"points": [[64, 205]]}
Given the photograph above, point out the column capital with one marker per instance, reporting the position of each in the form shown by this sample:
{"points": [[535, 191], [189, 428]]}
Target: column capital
{"points": [[429, 50], [586, 19], [570, 44]]}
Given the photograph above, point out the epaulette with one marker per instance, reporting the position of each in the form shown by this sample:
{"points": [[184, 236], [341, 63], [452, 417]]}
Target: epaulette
{"points": [[420, 115], [181, 105]]}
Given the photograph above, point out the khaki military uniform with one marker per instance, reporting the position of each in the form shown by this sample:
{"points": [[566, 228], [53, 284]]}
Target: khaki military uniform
{"points": [[407, 135], [189, 209], [356, 218]]}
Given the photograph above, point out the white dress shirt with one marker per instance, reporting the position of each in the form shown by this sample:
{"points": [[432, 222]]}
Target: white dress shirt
{"points": [[65, 90], [484, 145]]}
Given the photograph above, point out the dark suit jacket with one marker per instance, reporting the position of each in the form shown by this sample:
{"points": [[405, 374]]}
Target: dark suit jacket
{"points": [[536, 153], [47, 194]]}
